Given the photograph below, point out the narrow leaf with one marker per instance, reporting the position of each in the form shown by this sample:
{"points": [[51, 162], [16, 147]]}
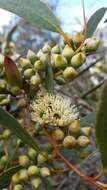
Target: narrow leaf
{"points": [[87, 120], [6, 175], [34, 11], [10, 122], [12, 73], [101, 126], [94, 21]]}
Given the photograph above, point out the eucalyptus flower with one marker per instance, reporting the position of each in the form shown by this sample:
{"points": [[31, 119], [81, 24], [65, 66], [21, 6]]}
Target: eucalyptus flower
{"points": [[53, 109]]}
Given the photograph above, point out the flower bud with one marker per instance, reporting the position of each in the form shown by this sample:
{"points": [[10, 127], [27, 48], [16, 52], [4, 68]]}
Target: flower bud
{"points": [[35, 80], [78, 59], [18, 187], [39, 65], [15, 90], [86, 130], [28, 73], [56, 49], [83, 141], [23, 175], [32, 153], [45, 172], [67, 52], [69, 37], [2, 96], [42, 157], [15, 178], [4, 159], [60, 80], [46, 48], [33, 170], [91, 44], [44, 57], [5, 101], [40, 53], [25, 63], [6, 134], [75, 127], [3, 85], [24, 160], [78, 38], [31, 56], [57, 134], [36, 182], [69, 142], [21, 103], [60, 61], [69, 73]]}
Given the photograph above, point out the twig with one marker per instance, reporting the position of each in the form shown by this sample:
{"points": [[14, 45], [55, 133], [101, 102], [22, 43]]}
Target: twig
{"points": [[92, 90]]}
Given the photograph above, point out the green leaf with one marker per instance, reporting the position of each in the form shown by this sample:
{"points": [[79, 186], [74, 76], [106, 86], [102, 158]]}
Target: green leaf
{"points": [[101, 126], [10, 122], [34, 11], [49, 78], [5, 176], [87, 120], [94, 21]]}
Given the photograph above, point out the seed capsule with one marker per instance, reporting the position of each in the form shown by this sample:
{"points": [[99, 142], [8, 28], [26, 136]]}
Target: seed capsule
{"points": [[56, 49], [69, 73], [32, 153], [15, 178], [83, 141], [75, 127], [67, 52], [45, 172], [25, 63], [57, 134], [33, 170], [24, 160], [69, 142], [36, 182], [28, 73], [23, 175], [39, 65], [46, 48], [78, 59], [35, 80], [91, 44], [31, 56], [18, 187], [60, 61]]}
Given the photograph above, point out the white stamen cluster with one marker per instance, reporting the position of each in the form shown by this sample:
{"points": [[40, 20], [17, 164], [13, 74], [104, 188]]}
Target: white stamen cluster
{"points": [[53, 109]]}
